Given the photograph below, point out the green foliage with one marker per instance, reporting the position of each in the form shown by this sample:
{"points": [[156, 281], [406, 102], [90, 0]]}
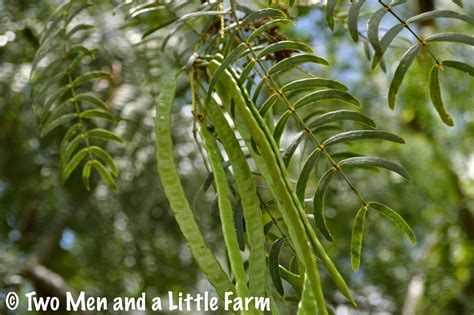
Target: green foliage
{"points": [[380, 46], [252, 88], [59, 80]]}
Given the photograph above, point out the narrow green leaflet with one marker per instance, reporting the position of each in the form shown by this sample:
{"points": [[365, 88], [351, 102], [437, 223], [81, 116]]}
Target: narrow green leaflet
{"points": [[105, 175], [273, 264], [329, 13], [436, 98], [458, 65], [451, 37], [280, 126], [353, 19], [56, 123], [73, 163], [239, 225], [312, 83], [58, 110], [89, 98], [71, 147], [93, 113], [146, 9], [88, 76], [402, 69], [104, 156], [103, 134], [357, 237], [78, 28], [362, 135], [325, 95], [303, 178], [385, 42], [175, 193], [283, 45], [290, 150], [86, 174], [268, 104], [260, 14], [293, 61], [440, 14], [395, 218], [69, 134], [268, 26], [377, 162], [373, 26], [339, 115], [318, 204]]}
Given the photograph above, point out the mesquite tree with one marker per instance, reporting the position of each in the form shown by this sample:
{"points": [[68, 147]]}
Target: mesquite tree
{"points": [[272, 142]]}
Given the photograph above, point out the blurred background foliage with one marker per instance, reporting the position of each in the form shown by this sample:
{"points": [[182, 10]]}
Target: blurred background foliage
{"points": [[57, 237]]}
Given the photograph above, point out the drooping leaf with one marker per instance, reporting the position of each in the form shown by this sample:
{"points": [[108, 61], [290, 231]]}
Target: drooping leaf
{"points": [[395, 218], [56, 123], [273, 265], [239, 225], [89, 98], [329, 13], [280, 126], [362, 135], [284, 45], [69, 134], [303, 177], [318, 205], [73, 163], [377, 162], [104, 156], [71, 147], [373, 26], [88, 76], [292, 61], [290, 150], [93, 113], [402, 69], [451, 37], [440, 14], [312, 83], [385, 42], [324, 95], [461, 66], [86, 174], [268, 26], [261, 14], [353, 19], [103, 134], [436, 98], [339, 115], [78, 28], [105, 175], [357, 237]]}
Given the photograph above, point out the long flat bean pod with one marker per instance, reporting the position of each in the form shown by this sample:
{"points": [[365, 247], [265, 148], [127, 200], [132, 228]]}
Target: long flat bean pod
{"points": [[175, 193], [248, 194], [228, 86]]}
